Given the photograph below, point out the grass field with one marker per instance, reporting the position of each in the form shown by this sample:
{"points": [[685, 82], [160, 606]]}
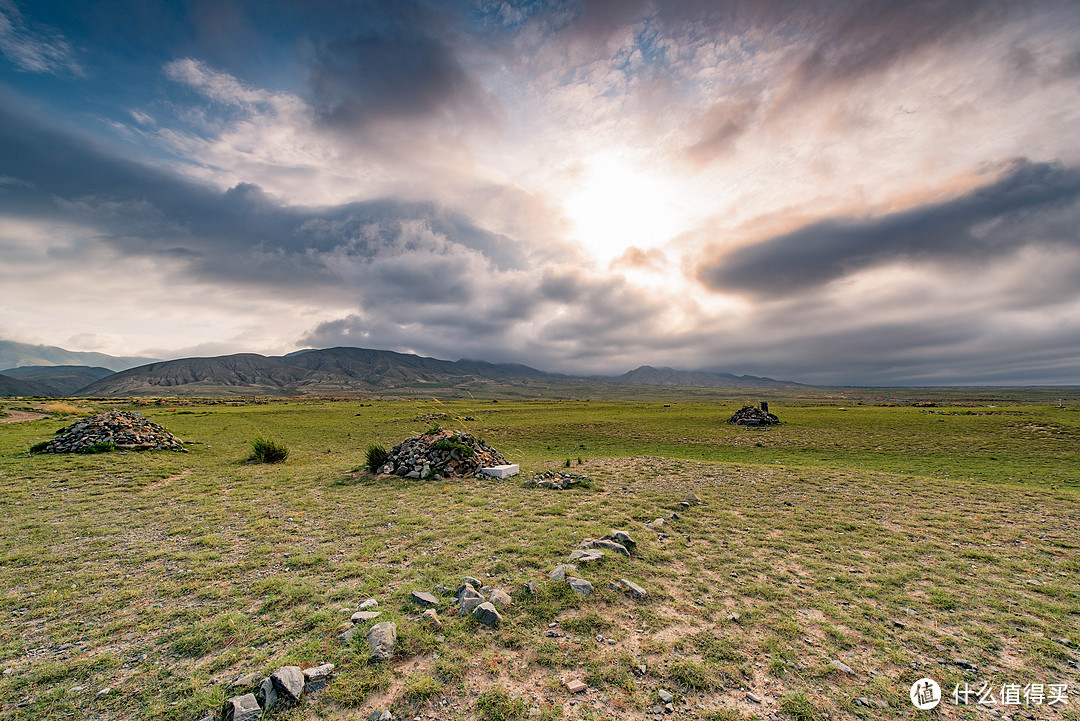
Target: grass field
{"points": [[903, 542]]}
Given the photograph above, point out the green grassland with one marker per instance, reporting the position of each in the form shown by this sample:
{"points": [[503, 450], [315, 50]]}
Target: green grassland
{"points": [[900, 541]]}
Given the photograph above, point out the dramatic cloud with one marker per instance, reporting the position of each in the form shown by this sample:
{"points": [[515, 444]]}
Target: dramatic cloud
{"points": [[829, 193]]}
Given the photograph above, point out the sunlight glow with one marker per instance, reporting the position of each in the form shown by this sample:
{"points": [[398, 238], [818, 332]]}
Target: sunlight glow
{"points": [[614, 205]]}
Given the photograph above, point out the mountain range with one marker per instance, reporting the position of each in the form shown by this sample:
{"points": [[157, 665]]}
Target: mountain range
{"points": [[331, 371]]}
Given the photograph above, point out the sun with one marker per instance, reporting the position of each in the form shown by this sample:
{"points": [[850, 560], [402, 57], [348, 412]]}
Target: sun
{"points": [[614, 204]]}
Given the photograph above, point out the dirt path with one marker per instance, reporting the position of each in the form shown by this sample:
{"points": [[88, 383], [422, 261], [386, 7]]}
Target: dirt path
{"points": [[18, 416]]}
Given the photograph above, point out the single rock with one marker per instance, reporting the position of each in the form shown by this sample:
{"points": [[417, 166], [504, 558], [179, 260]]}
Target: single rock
{"points": [[630, 587], [624, 538], [753, 697], [241, 708], [487, 614], [841, 667], [530, 588], [346, 637], [319, 672], [586, 555], [361, 616], [381, 640], [289, 681], [424, 599], [369, 603], [468, 599], [575, 686], [665, 695], [244, 681], [267, 695], [580, 586], [432, 619], [469, 580], [500, 599], [610, 545], [561, 570]]}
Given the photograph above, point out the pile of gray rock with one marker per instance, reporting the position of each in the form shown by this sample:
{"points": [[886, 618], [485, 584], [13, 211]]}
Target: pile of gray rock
{"points": [[558, 480], [442, 454], [591, 551], [280, 689], [126, 430], [751, 416]]}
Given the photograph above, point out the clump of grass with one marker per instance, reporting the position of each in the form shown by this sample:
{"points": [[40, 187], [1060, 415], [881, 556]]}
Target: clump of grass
{"points": [[496, 704], [799, 708], [421, 686], [264, 450], [376, 458], [692, 674], [39, 447]]}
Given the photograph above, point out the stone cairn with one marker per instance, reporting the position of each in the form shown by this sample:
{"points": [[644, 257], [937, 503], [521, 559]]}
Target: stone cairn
{"points": [[441, 454], [751, 416], [127, 430]]}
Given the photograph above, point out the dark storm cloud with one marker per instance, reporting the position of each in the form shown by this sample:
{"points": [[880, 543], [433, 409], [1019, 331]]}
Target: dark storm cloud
{"points": [[1033, 204], [401, 65]]}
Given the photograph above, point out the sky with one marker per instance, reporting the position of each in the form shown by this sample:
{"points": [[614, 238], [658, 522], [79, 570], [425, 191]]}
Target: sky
{"points": [[857, 192]]}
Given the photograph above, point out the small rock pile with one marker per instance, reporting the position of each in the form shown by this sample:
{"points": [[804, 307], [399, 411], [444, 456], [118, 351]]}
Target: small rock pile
{"points": [[591, 550], [441, 454], [558, 480], [282, 688], [751, 416], [126, 430]]}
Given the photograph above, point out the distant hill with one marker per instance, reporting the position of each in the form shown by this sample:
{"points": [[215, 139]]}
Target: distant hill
{"points": [[649, 376], [14, 355], [242, 373], [308, 372], [14, 387], [58, 380]]}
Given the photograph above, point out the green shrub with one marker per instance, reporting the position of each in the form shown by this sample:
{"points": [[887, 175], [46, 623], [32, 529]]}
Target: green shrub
{"points": [[377, 456], [39, 447], [266, 451], [450, 444]]}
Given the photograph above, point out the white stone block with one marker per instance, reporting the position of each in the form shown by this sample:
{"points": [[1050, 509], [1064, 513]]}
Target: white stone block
{"points": [[510, 469]]}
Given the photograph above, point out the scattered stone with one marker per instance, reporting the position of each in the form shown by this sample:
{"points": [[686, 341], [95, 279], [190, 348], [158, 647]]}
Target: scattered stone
{"points": [[127, 430], [963, 663], [382, 639], [558, 480], [669, 708], [471, 581], [560, 571], [604, 544], [319, 672], [693, 500], [424, 599], [361, 616], [289, 682], [665, 695], [432, 619], [585, 555], [530, 588], [659, 523], [575, 686], [487, 614], [241, 708], [640, 670], [753, 698], [380, 716], [346, 637], [267, 695], [580, 586], [500, 599], [624, 538], [630, 587], [244, 681], [468, 599], [104, 692], [841, 667], [443, 454], [369, 603]]}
